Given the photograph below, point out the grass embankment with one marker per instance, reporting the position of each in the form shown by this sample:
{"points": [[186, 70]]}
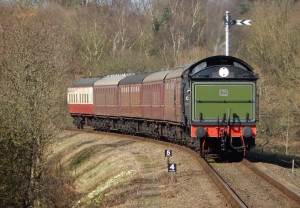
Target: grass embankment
{"points": [[95, 175], [108, 172], [115, 171]]}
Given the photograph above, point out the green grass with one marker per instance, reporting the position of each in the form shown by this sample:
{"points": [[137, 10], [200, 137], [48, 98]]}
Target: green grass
{"points": [[142, 159], [80, 158], [96, 202]]}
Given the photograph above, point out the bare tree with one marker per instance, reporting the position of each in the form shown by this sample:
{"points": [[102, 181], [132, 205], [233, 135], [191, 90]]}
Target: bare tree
{"points": [[273, 45], [178, 26], [33, 77]]}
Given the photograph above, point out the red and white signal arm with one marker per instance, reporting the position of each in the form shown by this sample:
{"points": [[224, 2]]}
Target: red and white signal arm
{"points": [[172, 167]]}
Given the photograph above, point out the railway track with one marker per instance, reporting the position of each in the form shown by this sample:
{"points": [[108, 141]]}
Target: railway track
{"points": [[274, 182], [242, 183], [255, 187]]}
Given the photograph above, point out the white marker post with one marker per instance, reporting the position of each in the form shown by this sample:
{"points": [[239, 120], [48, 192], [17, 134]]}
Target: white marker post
{"points": [[171, 166], [172, 170], [229, 22], [168, 154]]}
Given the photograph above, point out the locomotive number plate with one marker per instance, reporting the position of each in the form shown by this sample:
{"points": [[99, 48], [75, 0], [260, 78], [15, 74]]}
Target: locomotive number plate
{"points": [[223, 92]]}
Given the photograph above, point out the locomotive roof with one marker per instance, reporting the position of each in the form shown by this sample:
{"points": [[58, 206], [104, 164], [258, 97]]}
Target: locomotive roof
{"points": [[177, 72], [111, 80], [223, 60], [134, 79], [85, 82], [212, 67], [156, 76]]}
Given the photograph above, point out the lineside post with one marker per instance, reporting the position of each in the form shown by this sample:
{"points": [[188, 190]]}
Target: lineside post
{"points": [[228, 21], [168, 154], [172, 169], [227, 25]]}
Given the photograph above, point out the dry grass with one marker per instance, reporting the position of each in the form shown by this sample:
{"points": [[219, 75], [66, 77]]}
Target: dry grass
{"points": [[57, 188], [110, 171]]}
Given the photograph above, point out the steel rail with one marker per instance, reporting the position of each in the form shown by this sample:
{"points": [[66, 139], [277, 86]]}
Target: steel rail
{"points": [[286, 190], [233, 199]]}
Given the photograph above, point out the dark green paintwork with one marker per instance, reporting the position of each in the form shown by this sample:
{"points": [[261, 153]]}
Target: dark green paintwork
{"points": [[207, 99]]}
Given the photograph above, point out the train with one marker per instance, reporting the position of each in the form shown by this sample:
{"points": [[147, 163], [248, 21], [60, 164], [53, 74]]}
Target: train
{"points": [[210, 105]]}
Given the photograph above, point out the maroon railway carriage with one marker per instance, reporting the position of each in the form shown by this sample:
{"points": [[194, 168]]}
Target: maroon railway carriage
{"points": [[153, 100], [131, 95], [173, 95], [106, 96]]}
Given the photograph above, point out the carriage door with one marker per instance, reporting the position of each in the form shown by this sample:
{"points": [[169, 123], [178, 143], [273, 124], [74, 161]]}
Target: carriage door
{"points": [[175, 100]]}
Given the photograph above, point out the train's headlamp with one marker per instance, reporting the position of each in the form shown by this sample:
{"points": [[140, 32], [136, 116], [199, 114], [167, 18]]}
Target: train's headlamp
{"points": [[200, 132], [223, 72], [247, 132]]}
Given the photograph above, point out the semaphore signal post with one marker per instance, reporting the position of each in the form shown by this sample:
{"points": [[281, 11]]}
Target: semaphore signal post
{"points": [[228, 22]]}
